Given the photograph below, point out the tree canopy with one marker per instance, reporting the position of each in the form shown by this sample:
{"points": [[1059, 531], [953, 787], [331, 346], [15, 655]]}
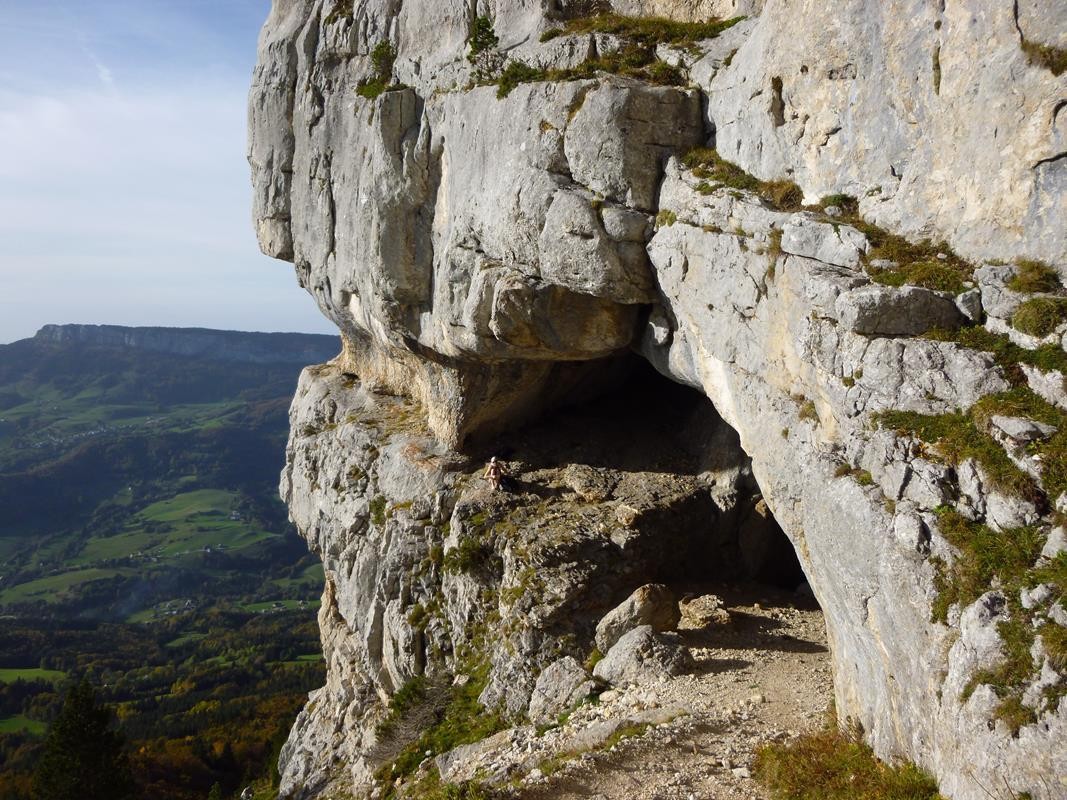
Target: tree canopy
{"points": [[83, 756]]}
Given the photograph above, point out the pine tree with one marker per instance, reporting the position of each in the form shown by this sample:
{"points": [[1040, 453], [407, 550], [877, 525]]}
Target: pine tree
{"points": [[83, 756]]}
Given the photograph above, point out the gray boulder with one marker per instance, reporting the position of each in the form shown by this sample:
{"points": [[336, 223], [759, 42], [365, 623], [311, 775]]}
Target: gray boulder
{"points": [[1021, 429], [876, 310], [652, 604], [643, 656], [559, 687], [838, 245]]}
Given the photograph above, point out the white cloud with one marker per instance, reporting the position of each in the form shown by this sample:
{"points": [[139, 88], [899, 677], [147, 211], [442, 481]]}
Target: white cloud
{"points": [[124, 190], [134, 207]]}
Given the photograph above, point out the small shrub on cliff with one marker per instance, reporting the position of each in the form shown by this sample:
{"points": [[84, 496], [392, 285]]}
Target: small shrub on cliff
{"points": [[382, 57], [482, 38], [472, 554], [517, 72], [342, 10], [837, 765], [377, 510]]}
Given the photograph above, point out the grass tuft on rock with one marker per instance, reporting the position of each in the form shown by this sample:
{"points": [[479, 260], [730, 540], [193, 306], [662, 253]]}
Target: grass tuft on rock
{"points": [[928, 274], [1054, 59], [1040, 316], [837, 765], [985, 554], [665, 218], [1007, 354], [956, 438], [1005, 558], [631, 60], [848, 204], [715, 171], [462, 720], [960, 436], [932, 265], [648, 31], [1032, 276]]}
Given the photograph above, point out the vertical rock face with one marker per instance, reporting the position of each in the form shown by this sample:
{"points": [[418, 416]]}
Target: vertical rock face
{"points": [[486, 257]]}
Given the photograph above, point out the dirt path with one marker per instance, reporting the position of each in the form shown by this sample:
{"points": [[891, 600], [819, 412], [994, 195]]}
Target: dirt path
{"points": [[763, 676]]}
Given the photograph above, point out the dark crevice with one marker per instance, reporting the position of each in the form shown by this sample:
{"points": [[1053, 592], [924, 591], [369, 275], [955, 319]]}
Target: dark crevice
{"points": [[648, 442], [777, 103]]}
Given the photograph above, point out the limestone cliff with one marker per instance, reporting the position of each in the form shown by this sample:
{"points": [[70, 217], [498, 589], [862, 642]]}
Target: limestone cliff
{"points": [[496, 203]]}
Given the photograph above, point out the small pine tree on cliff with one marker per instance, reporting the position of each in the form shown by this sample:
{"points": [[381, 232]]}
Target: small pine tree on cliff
{"points": [[83, 757]]}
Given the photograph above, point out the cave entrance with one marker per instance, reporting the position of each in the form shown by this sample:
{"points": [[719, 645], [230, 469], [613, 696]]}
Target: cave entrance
{"points": [[689, 508]]}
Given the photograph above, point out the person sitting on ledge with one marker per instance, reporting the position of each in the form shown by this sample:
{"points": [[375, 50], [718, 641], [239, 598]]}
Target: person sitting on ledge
{"points": [[495, 474]]}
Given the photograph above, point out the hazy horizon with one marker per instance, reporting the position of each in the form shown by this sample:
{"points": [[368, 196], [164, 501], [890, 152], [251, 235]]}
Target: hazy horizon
{"points": [[124, 189], [332, 333]]}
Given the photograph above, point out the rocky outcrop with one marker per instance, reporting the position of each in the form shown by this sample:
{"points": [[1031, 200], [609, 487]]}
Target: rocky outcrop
{"points": [[489, 254]]}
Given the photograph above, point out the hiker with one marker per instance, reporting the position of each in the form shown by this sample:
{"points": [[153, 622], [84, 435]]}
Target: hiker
{"points": [[495, 474]]}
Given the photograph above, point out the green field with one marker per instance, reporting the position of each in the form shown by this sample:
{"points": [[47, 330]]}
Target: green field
{"points": [[187, 639], [21, 723], [187, 523], [299, 661], [119, 546], [31, 674], [51, 587], [182, 506], [312, 576]]}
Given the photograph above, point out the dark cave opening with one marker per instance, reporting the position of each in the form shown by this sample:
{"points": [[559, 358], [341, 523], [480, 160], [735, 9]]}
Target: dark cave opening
{"points": [[649, 443]]}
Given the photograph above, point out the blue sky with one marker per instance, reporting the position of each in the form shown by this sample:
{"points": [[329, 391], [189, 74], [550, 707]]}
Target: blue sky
{"points": [[124, 190]]}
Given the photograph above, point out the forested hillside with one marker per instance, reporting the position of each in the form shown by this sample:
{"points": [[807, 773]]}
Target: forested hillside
{"points": [[143, 546]]}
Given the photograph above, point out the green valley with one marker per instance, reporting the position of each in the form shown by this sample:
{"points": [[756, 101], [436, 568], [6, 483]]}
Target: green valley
{"points": [[143, 547]]}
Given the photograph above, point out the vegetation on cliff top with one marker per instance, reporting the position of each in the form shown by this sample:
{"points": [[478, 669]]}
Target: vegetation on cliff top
{"points": [[646, 31], [632, 61], [635, 57]]}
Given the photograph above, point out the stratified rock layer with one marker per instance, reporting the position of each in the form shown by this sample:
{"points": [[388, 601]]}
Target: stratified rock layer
{"points": [[488, 258]]}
